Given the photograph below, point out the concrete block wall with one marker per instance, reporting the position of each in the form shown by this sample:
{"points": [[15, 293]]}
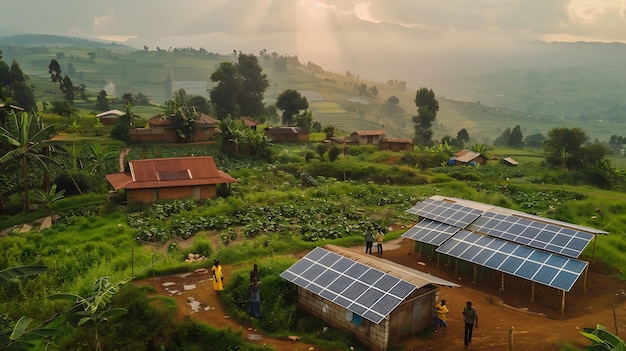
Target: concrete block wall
{"points": [[375, 336]]}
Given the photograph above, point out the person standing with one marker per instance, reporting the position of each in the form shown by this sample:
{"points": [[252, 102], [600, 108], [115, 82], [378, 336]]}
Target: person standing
{"points": [[218, 277], [369, 241], [471, 321], [255, 274], [379, 241], [440, 319], [255, 299]]}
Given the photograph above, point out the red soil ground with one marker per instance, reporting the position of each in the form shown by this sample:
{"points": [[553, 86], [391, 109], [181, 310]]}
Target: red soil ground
{"points": [[537, 325]]}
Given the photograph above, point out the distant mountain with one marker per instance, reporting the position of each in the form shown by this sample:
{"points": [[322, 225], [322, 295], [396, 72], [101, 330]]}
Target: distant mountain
{"points": [[46, 40]]}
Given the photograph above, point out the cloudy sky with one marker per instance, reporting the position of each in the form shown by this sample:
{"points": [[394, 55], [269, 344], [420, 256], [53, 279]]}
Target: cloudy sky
{"points": [[374, 36]]}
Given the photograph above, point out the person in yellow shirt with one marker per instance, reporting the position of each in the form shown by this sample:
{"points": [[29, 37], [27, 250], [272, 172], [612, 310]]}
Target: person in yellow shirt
{"points": [[380, 237], [218, 277], [440, 320]]}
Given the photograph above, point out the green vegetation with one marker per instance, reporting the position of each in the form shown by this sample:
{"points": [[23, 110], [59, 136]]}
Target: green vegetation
{"points": [[288, 198]]}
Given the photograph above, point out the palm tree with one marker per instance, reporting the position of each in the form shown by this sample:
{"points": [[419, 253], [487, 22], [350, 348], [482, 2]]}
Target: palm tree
{"points": [[27, 143]]}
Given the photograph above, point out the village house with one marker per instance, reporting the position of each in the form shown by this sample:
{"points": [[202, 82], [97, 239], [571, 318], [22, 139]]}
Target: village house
{"points": [[161, 129], [287, 134], [368, 137], [149, 180], [396, 144], [109, 118]]}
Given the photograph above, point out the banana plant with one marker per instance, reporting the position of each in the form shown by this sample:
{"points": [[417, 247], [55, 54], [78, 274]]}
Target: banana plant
{"points": [[603, 340], [47, 199], [95, 309]]}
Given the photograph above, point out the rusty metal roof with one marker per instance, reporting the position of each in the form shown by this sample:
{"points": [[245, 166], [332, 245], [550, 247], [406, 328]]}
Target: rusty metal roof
{"points": [[398, 140], [466, 156], [369, 132], [169, 172], [161, 120]]}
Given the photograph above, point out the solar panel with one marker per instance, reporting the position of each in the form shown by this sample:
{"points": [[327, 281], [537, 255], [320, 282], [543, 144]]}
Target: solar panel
{"points": [[539, 266], [430, 232], [365, 291], [446, 212], [536, 234]]}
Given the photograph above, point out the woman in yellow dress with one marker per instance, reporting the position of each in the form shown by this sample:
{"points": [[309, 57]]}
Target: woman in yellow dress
{"points": [[218, 277]]}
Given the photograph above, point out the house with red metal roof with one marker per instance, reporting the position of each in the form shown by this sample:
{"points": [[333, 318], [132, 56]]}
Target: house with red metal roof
{"points": [[150, 180]]}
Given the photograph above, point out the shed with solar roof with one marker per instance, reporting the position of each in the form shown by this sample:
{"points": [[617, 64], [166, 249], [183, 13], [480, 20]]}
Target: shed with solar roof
{"points": [[530, 247], [379, 301]]}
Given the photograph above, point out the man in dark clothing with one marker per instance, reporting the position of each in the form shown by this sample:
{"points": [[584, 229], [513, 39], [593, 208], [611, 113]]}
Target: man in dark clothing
{"points": [[471, 321], [369, 241]]}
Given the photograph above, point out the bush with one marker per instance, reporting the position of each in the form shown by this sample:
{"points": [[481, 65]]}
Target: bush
{"points": [[75, 183]]}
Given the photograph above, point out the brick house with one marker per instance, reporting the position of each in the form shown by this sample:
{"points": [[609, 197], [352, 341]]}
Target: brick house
{"points": [[150, 180], [396, 144], [380, 302], [287, 134], [160, 129], [109, 118], [368, 137]]}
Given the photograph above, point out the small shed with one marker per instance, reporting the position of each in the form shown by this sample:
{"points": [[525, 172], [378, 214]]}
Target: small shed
{"points": [[379, 301], [467, 157], [109, 118], [150, 180], [368, 137], [248, 122], [396, 144], [509, 161], [287, 134]]}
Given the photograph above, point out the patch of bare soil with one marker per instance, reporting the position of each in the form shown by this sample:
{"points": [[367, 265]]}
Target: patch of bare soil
{"points": [[537, 324]]}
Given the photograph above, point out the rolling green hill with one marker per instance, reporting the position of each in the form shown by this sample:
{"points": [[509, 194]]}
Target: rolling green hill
{"points": [[333, 98]]}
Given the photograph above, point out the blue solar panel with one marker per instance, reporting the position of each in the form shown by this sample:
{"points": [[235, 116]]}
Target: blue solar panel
{"points": [[430, 232], [446, 212], [544, 236], [539, 266], [365, 291]]}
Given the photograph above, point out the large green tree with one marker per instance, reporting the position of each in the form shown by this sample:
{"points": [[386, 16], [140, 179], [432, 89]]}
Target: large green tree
{"points": [[240, 88], [29, 145], [291, 102], [224, 94], [427, 108], [566, 148], [68, 90], [54, 69]]}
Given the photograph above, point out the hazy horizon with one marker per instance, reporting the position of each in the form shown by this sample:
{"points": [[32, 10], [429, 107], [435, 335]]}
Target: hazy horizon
{"points": [[379, 40]]}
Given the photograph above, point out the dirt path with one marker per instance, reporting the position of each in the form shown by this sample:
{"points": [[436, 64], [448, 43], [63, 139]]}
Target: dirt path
{"points": [[537, 324]]}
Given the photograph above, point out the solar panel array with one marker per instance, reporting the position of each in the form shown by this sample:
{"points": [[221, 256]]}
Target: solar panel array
{"points": [[518, 260], [545, 236], [365, 291], [446, 212], [431, 232], [540, 251]]}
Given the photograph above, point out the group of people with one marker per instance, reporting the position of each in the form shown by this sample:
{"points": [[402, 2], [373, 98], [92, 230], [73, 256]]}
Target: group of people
{"points": [[254, 287], [370, 237], [470, 317]]}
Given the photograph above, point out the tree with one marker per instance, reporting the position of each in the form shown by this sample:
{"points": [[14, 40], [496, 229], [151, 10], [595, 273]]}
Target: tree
{"points": [[199, 103], [503, 139], [535, 140], [253, 84], [240, 88], [102, 103], [224, 94], [516, 139], [564, 147], [305, 120], [393, 100], [67, 88], [291, 102], [54, 69], [28, 144], [62, 108], [427, 108]]}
